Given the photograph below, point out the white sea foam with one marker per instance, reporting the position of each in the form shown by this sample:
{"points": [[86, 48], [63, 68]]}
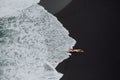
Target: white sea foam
{"points": [[32, 44], [12, 7]]}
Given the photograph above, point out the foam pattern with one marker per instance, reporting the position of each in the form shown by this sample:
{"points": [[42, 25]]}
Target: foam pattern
{"points": [[32, 44]]}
